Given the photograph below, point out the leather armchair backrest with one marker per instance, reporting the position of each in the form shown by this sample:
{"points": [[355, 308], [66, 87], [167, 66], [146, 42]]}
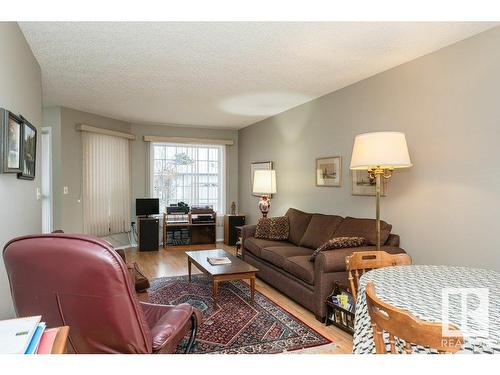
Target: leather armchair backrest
{"points": [[79, 281]]}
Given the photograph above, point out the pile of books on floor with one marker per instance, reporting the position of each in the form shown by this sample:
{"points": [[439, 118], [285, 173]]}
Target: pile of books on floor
{"points": [[26, 336]]}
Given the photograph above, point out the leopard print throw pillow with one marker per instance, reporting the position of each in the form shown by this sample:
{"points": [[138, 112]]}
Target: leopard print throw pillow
{"points": [[273, 228], [339, 243]]}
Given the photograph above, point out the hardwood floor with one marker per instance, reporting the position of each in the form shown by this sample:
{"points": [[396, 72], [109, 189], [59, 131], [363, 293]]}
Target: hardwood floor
{"points": [[173, 262]]}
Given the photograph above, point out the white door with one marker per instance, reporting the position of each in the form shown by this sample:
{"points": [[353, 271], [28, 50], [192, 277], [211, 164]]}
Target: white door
{"points": [[47, 226]]}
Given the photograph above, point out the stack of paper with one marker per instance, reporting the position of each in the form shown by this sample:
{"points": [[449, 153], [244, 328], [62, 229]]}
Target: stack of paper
{"points": [[21, 336], [215, 261]]}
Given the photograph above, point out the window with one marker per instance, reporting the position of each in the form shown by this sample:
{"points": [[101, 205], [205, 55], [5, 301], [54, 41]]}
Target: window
{"points": [[193, 174]]}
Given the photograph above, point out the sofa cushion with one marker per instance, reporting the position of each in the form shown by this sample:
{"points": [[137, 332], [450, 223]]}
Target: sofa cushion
{"points": [[300, 267], [278, 254], [339, 243], [298, 224], [353, 227], [254, 245], [320, 229], [273, 228]]}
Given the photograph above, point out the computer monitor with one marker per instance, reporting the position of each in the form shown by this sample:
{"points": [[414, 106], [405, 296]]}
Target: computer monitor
{"points": [[147, 206]]}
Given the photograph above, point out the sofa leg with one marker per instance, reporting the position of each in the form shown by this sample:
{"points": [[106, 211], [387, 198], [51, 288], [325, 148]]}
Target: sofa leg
{"points": [[194, 329]]}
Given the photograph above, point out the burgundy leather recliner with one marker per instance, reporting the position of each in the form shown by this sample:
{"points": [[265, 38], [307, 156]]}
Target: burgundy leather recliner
{"points": [[81, 282]]}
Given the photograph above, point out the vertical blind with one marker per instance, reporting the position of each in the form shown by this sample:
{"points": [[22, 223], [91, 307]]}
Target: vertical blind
{"points": [[106, 184]]}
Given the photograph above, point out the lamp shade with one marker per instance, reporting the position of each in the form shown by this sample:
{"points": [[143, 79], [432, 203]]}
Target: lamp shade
{"points": [[264, 182], [380, 149]]}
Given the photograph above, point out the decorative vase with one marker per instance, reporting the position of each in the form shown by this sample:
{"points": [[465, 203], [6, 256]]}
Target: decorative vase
{"points": [[264, 205]]}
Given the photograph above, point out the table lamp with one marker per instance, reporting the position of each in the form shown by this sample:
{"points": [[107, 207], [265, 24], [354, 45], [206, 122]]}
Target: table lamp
{"points": [[264, 183], [380, 153]]}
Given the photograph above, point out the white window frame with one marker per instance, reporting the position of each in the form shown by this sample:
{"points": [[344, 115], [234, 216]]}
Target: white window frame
{"points": [[222, 171]]}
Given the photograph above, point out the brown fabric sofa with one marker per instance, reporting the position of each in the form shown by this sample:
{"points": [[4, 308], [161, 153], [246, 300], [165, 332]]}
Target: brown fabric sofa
{"points": [[286, 265]]}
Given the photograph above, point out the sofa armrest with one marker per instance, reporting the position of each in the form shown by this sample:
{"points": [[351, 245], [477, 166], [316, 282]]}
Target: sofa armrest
{"points": [[334, 260], [392, 240], [247, 231]]}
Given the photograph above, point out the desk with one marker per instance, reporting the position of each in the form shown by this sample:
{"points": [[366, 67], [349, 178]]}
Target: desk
{"points": [[189, 232], [418, 290]]}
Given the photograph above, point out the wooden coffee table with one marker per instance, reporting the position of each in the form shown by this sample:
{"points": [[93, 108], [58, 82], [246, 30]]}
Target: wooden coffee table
{"points": [[236, 270]]}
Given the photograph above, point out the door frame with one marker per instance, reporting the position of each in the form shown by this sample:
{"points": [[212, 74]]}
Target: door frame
{"points": [[47, 173]]}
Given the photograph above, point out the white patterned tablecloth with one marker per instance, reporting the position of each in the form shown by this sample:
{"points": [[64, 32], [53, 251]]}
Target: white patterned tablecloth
{"points": [[418, 289]]}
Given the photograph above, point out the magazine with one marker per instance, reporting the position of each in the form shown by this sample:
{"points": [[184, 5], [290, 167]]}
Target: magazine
{"points": [[216, 261]]}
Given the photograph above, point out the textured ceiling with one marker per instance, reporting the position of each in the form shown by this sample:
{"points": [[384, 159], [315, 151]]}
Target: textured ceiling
{"points": [[218, 74]]}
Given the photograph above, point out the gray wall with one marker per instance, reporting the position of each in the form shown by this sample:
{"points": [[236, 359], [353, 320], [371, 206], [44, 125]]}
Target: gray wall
{"points": [[72, 156], [68, 158], [20, 92], [445, 207]]}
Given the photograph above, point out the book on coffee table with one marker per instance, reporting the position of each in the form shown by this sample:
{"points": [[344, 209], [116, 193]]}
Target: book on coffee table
{"points": [[216, 261]]}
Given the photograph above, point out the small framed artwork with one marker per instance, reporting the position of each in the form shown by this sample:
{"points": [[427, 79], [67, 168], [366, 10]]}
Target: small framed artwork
{"points": [[363, 184], [329, 171], [256, 166], [10, 142], [28, 151]]}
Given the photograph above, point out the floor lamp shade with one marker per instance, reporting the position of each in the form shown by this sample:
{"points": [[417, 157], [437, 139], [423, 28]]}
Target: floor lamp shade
{"points": [[385, 150], [264, 182]]}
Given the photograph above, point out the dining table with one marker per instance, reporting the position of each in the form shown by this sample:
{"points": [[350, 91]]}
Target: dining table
{"points": [[469, 298]]}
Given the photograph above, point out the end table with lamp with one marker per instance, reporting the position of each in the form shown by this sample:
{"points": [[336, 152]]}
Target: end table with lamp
{"points": [[264, 184]]}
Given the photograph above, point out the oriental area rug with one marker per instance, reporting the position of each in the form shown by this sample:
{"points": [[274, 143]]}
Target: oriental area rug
{"points": [[235, 325]]}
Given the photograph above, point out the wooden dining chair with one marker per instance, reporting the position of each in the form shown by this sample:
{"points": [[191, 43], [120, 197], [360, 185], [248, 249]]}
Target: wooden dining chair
{"points": [[400, 324], [360, 262]]}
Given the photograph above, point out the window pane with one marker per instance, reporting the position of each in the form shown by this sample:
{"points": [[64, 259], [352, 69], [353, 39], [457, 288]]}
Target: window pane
{"points": [[213, 154], [213, 167], [203, 191], [202, 167], [158, 166], [213, 193], [159, 152], [170, 153], [203, 154], [187, 173], [214, 179]]}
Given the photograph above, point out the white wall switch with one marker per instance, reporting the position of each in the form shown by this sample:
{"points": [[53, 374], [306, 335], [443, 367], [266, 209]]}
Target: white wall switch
{"points": [[65, 190], [38, 194]]}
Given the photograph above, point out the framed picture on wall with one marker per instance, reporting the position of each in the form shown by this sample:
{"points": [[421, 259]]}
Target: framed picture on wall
{"points": [[329, 171], [256, 166], [28, 151], [10, 142], [363, 184]]}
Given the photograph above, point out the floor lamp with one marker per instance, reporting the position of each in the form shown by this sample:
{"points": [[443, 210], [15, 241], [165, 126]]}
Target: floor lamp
{"points": [[380, 153], [264, 184]]}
